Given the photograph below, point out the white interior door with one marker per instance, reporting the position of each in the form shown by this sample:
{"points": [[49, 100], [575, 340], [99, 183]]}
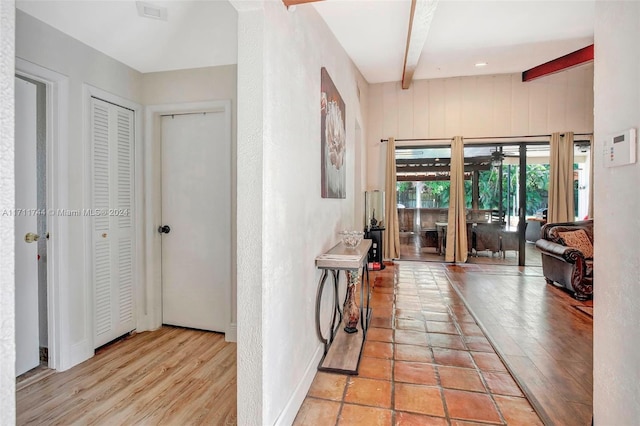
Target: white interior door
{"points": [[26, 267], [196, 205]]}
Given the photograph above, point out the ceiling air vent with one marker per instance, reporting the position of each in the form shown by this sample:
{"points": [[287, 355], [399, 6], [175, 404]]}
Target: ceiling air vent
{"points": [[148, 10]]}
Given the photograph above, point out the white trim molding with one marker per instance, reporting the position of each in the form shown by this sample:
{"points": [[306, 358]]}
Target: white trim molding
{"points": [[61, 350], [88, 92], [232, 334]]}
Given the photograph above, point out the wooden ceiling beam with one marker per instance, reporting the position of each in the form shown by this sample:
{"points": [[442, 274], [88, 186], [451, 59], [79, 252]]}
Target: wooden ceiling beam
{"points": [[290, 3], [419, 22], [562, 63]]}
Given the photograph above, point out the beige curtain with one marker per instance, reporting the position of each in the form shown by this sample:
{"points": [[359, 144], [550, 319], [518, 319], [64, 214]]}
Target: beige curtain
{"points": [[457, 225], [561, 178], [391, 247], [591, 181]]}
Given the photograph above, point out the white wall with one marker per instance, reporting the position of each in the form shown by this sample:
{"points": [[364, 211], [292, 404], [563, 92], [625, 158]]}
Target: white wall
{"points": [[296, 224], [192, 85], [299, 224], [360, 179], [41, 44], [196, 85], [491, 105], [250, 363], [7, 201], [617, 224]]}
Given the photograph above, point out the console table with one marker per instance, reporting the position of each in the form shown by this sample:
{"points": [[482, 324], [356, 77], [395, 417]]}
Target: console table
{"points": [[343, 346]]}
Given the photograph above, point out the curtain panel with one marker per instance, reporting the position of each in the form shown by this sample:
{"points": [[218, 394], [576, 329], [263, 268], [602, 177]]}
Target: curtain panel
{"points": [[591, 181], [457, 249], [561, 206], [391, 246]]}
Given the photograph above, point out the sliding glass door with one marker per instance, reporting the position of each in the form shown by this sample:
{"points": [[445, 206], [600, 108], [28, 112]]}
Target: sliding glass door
{"points": [[423, 201], [506, 193], [493, 200]]}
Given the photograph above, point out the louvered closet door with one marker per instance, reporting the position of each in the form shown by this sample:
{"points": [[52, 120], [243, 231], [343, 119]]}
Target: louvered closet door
{"points": [[112, 220]]}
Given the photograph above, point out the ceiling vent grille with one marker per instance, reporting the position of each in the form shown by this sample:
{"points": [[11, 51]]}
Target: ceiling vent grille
{"points": [[148, 10]]}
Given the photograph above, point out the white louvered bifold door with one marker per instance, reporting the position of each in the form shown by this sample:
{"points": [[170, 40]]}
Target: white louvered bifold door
{"points": [[112, 186]]}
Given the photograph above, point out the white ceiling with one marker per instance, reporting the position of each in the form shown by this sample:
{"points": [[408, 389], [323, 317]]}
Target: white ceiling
{"points": [[511, 36], [196, 33]]}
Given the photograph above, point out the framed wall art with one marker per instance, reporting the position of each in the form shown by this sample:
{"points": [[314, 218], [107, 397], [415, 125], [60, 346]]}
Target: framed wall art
{"points": [[333, 139]]}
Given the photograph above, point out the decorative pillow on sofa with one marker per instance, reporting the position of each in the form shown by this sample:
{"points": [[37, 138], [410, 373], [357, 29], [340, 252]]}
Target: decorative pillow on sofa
{"points": [[578, 240]]}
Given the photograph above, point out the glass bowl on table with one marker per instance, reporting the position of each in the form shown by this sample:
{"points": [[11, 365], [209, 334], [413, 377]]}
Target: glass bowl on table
{"points": [[351, 239]]}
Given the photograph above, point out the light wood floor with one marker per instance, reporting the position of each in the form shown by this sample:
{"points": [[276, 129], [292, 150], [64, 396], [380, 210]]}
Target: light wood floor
{"points": [[546, 342], [171, 376]]}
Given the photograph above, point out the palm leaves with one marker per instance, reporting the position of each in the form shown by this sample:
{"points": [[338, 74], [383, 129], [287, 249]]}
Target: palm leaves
{"points": [[536, 186]]}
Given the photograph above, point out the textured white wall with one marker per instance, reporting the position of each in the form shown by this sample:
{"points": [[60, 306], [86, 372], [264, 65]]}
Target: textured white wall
{"points": [[195, 85], [283, 222], [360, 181], [45, 46], [491, 105], [617, 225], [251, 393], [298, 224], [7, 282]]}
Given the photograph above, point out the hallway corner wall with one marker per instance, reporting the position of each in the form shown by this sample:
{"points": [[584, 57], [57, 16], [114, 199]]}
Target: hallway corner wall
{"points": [[298, 223], [7, 201], [617, 229]]}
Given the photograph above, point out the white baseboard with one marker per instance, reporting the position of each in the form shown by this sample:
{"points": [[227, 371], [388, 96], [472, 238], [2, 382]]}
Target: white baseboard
{"points": [[288, 414], [232, 333]]}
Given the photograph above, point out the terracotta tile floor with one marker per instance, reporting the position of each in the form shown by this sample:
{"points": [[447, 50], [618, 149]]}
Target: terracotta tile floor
{"points": [[425, 362]]}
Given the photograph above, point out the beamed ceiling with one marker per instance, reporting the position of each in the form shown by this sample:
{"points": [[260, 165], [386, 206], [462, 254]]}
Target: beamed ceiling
{"points": [[386, 39]]}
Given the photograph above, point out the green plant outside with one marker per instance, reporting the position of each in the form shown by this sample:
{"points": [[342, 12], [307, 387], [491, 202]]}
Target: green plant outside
{"points": [[435, 194]]}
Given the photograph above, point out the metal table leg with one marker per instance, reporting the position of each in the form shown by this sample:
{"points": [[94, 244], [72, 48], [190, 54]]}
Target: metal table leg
{"points": [[336, 308]]}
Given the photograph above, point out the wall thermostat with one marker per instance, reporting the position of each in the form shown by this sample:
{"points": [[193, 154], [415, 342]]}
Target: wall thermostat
{"points": [[620, 149]]}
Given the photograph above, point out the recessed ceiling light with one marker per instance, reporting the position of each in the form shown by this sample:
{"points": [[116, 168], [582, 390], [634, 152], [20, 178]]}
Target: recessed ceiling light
{"points": [[481, 64], [148, 10]]}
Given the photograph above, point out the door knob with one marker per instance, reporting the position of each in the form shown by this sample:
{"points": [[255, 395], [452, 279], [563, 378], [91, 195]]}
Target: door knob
{"points": [[164, 229], [30, 237]]}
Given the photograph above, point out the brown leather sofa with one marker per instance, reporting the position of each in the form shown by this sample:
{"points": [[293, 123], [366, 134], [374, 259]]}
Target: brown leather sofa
{"points": [[564, 265]]}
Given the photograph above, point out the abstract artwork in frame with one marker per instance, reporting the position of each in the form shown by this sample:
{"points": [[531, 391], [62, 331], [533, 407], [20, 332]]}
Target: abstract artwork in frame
{"points": [[333, 139]]}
